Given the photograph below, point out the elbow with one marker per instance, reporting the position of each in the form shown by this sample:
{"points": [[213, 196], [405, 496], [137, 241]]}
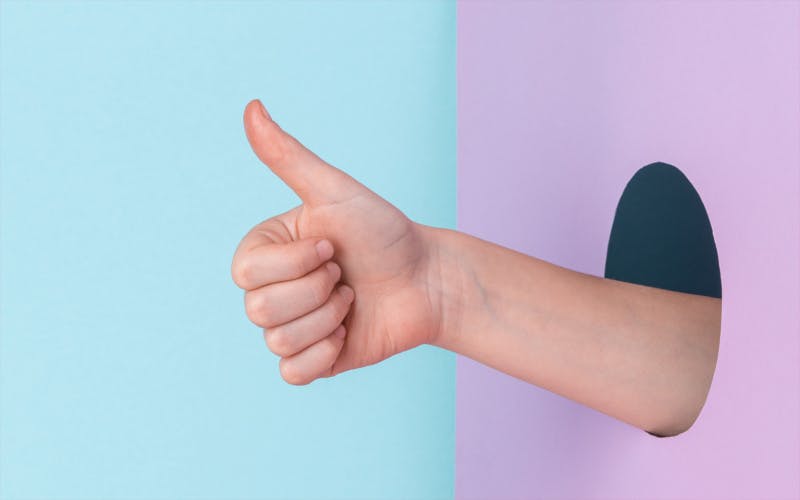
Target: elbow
{"points": [[671, 428], [682, 402], [676, 419]]}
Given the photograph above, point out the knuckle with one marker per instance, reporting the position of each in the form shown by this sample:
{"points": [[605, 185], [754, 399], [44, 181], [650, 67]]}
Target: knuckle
{"points": [[241, 272], [256, 310], [279, 342], [291, 374]]}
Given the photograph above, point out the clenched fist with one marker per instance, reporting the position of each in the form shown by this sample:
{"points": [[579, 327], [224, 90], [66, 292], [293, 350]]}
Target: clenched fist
{"points": [[343, 280]]}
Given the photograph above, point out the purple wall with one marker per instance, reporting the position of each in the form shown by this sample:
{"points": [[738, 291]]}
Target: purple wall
{"points": [[558, 105]]}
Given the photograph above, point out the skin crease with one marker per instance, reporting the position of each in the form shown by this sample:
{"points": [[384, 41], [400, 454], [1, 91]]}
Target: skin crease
{"points": [[643, 355]]}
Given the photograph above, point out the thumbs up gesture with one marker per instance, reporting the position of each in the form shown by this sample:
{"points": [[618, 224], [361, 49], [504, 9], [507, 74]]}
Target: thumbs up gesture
{"points": [[343, 280]]}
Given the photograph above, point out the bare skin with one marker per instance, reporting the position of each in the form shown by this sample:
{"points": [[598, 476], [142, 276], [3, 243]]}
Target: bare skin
{"points": [[346, 280]]}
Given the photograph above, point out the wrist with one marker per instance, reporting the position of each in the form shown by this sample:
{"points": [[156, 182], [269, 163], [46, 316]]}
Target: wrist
{"points": [[449, 282]]}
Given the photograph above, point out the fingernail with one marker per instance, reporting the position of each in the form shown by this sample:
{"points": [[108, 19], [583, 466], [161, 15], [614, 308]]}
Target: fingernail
{"points": [[334, 269], [347, 293], [340, 332], [324, 249], [263, 110]]}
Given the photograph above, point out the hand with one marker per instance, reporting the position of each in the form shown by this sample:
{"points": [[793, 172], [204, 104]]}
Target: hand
{"points": [[291, 267]]}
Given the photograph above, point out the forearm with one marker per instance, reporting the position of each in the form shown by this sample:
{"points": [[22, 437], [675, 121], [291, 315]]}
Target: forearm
{"points": [[643, 355]]}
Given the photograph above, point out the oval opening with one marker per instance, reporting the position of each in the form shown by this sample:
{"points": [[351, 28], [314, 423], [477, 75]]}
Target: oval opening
{"points": [[662, 237]]}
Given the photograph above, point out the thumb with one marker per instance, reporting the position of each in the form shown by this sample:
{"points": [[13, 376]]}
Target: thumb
{"points": [[314, 180]]}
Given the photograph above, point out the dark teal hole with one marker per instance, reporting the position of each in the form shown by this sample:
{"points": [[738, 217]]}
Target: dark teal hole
{"points": [[661, 236]]}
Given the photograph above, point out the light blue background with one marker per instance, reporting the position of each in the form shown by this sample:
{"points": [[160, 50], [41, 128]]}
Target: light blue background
{"points": [[128, 368]]}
